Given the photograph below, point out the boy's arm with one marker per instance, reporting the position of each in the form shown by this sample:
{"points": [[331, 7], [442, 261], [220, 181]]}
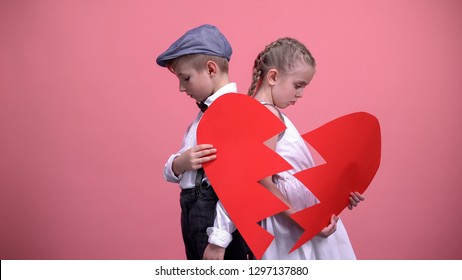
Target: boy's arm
{"points": [[221, 232], [193, 158], [169, 175], [220, 235], [190, 159]]}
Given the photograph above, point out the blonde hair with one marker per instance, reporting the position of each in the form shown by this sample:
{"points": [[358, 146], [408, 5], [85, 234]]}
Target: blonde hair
{"points": [[199, 61], [279, 55]]}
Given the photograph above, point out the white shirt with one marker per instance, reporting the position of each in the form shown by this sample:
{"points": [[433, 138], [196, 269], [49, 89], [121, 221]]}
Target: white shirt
{"points": [[188, 178], [220, 234]]}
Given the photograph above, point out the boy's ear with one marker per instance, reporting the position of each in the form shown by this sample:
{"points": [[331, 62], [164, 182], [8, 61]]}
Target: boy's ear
{"points": [[272, 76], [211, 67]]}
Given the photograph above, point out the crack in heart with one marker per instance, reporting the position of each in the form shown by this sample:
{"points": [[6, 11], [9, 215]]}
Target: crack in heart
{"points": [[238, 125]]}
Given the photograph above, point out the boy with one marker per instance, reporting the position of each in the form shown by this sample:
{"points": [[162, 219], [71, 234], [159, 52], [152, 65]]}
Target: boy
{"points": [[199, 59]]}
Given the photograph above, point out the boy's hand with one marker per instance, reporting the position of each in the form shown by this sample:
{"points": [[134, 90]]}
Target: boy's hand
{"points": [[214, 252], [193, 158], [355, 199], [331, 228]]}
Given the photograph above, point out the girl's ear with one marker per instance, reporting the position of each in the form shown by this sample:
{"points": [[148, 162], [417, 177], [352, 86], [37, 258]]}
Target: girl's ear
{"points": [[272, 76], [211, 68]]}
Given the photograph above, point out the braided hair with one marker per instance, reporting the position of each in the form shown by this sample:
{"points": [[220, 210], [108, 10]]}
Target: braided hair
{"points": [[280, 55]]}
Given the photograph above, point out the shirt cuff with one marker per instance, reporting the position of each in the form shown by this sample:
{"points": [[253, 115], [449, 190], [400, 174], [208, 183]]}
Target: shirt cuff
{"points": [[169, 175], [219, 237]]}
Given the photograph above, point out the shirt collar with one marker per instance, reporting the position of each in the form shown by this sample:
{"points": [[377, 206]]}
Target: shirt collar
{"points": [[231, 87]]}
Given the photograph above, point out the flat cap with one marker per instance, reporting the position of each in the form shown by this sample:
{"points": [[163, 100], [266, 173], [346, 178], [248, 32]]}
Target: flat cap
{"points": [[204, 39]]}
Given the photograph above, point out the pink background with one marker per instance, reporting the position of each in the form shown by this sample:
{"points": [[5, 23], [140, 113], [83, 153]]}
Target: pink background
{"points": [[87, 119]]}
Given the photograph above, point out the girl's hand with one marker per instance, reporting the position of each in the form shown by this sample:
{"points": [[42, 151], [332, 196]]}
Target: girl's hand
{"points": [[193, 158], [355, 199], [331, 228]]}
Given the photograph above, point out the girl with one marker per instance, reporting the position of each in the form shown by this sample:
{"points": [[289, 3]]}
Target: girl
{"points": [[281, 72]]}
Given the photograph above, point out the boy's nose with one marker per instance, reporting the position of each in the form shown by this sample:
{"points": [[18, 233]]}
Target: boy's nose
{"points": [[181, 88]]}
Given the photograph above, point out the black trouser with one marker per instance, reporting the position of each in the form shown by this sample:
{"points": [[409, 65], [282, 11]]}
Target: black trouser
{"points": [[198, 206]]}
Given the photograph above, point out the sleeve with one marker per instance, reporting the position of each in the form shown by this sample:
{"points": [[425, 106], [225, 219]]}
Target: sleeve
{"points": [[169, 175], [221, 232]]}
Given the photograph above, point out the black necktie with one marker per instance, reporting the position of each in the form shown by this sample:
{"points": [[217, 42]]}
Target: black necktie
{"points": [[202, 106]]}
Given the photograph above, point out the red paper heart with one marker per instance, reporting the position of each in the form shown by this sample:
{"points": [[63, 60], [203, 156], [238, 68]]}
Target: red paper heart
{"points": [[238, 126], [351, 147]]}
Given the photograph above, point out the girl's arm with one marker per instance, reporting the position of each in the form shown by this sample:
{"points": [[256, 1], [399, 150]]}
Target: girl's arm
{"points": [[267, 182], [269, 185]]}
